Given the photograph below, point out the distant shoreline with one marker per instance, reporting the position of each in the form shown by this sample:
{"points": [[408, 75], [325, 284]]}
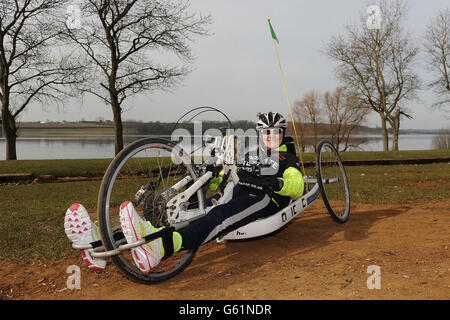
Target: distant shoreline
{"points": [[155, 128]]}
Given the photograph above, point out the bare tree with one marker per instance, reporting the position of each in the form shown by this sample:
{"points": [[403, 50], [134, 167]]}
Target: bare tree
{"points": [[308, 110], [33, 66], [299, 129], [441, 140], [121, 37], [437, 50], [376, 64], [344, 112]]}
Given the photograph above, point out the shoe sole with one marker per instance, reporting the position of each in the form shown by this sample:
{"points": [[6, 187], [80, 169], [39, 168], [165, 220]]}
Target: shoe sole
{"points": [[78, 225]]}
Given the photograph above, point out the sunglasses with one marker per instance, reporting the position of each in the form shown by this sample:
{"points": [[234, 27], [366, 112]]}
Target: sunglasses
{"points": [[274, 131]]}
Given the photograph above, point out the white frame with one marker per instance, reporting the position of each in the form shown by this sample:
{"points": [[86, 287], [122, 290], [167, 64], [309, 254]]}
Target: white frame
{"points": [[276, 221]]}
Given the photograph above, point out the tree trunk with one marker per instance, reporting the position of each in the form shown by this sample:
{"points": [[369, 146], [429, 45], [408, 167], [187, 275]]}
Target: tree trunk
{"points": [[10, 133], [118, 128], [396, 131], [315, 134], [384, 133], [394, 139]]}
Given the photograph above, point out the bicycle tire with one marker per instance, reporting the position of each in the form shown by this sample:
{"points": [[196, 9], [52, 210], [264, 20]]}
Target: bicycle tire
{"points": [[329, 166], [104, 204]]}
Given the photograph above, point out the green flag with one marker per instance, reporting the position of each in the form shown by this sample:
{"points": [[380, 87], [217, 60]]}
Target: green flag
{"points": [[274, 36]]}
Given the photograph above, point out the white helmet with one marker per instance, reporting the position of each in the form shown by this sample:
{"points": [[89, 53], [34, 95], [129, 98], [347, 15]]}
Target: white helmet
{"points": [[270, 119]]}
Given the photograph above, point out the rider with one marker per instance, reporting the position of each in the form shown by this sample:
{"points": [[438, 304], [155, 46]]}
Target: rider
{"points": [[266, 185]]}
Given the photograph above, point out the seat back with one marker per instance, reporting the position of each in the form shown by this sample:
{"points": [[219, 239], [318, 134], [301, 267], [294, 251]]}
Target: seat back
{"points": [[289, 142]]}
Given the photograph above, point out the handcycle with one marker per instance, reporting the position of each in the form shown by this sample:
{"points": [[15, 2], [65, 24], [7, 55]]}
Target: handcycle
{"points": [[169, 187]]}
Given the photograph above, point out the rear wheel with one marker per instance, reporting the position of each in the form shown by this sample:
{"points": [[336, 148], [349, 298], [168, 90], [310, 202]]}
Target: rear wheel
{"points": [[143, 173], [333, 181]]}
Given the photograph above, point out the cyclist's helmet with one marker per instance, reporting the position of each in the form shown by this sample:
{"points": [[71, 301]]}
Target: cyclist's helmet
{"points": [[270, 119]]}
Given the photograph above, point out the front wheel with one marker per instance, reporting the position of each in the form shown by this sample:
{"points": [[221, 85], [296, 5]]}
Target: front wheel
{"points": [[333, 182], [144, 173]]}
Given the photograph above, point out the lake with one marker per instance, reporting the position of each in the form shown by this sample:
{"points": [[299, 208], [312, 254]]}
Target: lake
{"points": [[96, 147]]}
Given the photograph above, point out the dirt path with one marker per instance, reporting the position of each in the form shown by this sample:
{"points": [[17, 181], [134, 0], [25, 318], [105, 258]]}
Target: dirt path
{"points": [[313, 258]]}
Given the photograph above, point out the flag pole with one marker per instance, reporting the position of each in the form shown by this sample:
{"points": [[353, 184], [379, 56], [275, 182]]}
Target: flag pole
{"points": [[274, 37]]}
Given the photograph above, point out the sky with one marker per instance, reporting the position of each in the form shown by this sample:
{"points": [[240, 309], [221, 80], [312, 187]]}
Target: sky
{"points": [[236, 69]]}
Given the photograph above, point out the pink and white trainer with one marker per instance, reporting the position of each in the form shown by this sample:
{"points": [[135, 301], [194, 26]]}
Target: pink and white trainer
{"points": [[135, 228], [80, 230]]}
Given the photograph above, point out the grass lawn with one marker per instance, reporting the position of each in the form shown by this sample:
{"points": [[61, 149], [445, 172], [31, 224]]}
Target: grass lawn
{"points": [[32, 218], [56, 168], [32, 215], [97, 167], [399, 184]]}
